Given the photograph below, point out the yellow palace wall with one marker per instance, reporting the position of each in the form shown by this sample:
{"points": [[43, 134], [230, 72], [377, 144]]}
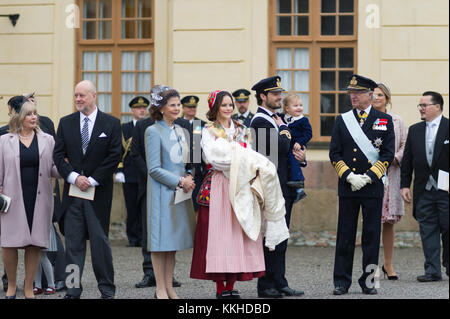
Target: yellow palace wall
{"points": [[203, 45]]}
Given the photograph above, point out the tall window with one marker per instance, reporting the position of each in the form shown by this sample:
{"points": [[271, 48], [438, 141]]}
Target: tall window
{"points": [[115, 51], [313, 49]]}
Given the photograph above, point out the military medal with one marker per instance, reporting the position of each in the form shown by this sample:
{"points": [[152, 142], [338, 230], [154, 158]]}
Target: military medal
{"points": [[377, 143], [380, 125]]}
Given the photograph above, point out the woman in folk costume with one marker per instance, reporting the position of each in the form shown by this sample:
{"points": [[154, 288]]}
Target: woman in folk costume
{"points": [[223, 252]]}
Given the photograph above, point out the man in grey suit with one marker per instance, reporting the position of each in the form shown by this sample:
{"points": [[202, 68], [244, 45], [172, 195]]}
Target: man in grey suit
{"points": [[87, 152], [426, 152]]}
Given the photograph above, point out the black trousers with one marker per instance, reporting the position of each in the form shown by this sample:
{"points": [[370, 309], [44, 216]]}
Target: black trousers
{"points": [[147, 265], [346, 236], [134, 220], [275, 260], [82, 224], [432, 215]]}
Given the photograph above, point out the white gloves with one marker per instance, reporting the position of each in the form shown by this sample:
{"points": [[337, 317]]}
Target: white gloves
{"points": [[120, 177], [358, 181]]}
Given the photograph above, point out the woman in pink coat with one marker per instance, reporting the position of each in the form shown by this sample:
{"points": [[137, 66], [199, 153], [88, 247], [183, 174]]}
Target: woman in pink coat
{"points": [[26, 170], [393, 206]]}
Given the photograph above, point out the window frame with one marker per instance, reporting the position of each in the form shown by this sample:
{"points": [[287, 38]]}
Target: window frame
{"points": [[115, 45], [314, 42]]}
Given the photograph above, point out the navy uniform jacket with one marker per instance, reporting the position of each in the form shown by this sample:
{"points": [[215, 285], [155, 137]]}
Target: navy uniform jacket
{"points": [[247, 120], [284, 141], [347, 157], [127, 165]]}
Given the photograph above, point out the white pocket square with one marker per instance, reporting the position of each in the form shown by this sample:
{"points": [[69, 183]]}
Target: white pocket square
{"points": [[102, 135], [446, 142]]}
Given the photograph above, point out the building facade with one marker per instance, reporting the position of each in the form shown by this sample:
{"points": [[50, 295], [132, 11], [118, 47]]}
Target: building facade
{"points": [[196, 46]]}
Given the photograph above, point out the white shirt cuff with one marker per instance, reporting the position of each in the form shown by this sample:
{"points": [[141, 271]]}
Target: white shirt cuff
{"points": [[93, 182], [72, 177]]}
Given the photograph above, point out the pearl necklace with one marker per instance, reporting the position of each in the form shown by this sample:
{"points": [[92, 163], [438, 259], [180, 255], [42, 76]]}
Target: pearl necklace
{"points": [[27, 137]]}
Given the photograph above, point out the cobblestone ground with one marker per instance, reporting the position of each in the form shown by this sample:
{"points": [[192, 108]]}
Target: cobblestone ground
{"points": [[309, 267]]}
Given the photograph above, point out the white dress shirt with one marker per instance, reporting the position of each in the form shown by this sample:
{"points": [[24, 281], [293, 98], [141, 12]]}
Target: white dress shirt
{"points": [[73, 175]]}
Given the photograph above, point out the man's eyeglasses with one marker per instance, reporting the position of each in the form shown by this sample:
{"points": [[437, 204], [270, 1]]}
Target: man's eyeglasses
{"points": [[422, 106]]}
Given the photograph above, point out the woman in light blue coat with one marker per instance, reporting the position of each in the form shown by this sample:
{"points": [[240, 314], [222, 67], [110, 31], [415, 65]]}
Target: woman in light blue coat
{"points": [[170, 226]]}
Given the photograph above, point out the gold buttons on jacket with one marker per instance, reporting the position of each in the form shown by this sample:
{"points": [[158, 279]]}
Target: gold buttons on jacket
{"points": [[354, 159], [355, 150], [354, 169]]}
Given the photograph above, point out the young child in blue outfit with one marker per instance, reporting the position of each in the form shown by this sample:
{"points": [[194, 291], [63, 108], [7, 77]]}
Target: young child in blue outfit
{"points": [[301, 133]]}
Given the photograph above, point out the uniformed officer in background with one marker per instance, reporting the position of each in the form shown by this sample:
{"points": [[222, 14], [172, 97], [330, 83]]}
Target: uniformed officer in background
{"points": [[361, 150], [244, 116], [189, 104], [127, 173]]}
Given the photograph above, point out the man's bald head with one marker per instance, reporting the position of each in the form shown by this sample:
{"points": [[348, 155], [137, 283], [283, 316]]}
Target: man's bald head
{"points": [[85, 96]]}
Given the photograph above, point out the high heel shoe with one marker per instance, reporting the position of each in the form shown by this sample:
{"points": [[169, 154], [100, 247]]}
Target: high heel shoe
{"points": [[12, 297], [385, 273]]}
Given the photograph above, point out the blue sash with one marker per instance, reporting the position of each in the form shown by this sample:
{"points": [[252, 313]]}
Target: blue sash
{"points": [[360, 137], [361, 140]]}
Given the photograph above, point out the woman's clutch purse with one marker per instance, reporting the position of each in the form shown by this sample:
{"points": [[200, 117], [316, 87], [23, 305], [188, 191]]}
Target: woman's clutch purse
{"points": [[5, 202]]}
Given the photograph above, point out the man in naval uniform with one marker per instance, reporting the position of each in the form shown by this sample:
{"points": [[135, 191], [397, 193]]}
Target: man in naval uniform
{"points": [[127, 173], [273, 139], [361, 150], [244, 116]]}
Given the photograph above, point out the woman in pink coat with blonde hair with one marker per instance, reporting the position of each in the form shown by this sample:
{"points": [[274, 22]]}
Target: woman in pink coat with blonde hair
{"points": [[393, 206], [26, 171]]}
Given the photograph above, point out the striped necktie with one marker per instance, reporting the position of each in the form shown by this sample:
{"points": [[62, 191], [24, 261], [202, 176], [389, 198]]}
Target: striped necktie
{"points": [[362, 118], [85, 135]]}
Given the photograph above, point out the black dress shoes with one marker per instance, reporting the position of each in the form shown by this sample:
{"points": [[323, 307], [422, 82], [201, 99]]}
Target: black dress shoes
{"points": [[226, 294], [339, 291], [428, 278], [104, 296], [290, 292], [270, 293], [235, 294], [71, 297], [369, 291], [60, 286], [147, 281]]}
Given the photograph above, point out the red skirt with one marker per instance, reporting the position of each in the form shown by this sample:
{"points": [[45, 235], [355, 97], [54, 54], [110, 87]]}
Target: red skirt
{"points": [[198, 266]]}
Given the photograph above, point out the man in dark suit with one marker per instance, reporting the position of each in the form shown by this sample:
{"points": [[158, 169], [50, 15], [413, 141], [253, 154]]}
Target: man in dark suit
{"points": [[273, 139], [87, 152], [361, 149], [244, 116], [425, 154], [56, 258], [189, 104], [128, 175], [138, 156]]}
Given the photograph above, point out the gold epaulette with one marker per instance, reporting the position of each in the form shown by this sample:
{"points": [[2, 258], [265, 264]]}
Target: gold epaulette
{"points": [[379, 168], [287, 133], [340, 168]]}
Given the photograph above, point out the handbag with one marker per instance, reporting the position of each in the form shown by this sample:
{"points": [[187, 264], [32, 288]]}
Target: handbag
{"points": [[205, 190], [5, 202]]}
